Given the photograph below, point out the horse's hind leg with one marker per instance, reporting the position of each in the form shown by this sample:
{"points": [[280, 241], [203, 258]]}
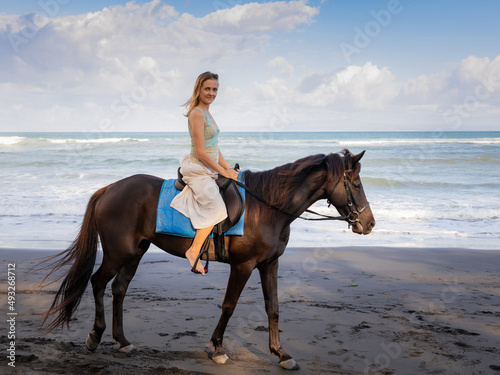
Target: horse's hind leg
{"points": [[99, 281], [269, 281], [119, 288], [112, 262]]}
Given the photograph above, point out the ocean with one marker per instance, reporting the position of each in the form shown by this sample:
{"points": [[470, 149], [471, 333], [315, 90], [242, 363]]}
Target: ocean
{"points": [[426, 189]]}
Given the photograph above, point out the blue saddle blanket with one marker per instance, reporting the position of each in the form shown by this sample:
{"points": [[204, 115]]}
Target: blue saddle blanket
{"points": [[172, 222]]}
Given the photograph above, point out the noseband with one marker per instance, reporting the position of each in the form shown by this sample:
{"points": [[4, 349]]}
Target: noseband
{"points": [[353, 215]]}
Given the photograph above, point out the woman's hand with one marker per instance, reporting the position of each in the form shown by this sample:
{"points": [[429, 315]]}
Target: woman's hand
{"points": [[231, 173]]}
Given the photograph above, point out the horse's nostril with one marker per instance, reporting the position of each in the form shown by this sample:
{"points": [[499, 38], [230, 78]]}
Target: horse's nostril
{"points": [[372, 224]]}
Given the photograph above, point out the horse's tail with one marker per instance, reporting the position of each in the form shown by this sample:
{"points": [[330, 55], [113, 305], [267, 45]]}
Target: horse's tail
{"points": [[82, 255]]}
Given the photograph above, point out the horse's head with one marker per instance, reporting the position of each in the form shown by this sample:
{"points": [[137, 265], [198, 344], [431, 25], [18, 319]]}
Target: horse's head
{"points": [[348, 196]]}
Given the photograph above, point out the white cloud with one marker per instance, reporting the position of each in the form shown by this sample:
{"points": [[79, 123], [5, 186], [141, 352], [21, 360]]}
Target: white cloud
{"points": [[426, 86], [280, 62], [255, 17], [372, 97], [68, 64], [366, 86], [473, 68], [273, 88], [132, 63], [108, 43], [473, 78], [370, 87]]}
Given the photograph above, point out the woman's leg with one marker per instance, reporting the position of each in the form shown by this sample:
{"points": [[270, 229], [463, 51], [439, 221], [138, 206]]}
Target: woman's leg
{"points": [[193, 252]]}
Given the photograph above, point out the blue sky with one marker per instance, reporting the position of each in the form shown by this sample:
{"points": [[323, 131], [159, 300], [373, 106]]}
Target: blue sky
{"points": [[300, 65]]}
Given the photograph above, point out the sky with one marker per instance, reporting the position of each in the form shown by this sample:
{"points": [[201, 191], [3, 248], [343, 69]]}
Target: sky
{"points": [[318, 65]]}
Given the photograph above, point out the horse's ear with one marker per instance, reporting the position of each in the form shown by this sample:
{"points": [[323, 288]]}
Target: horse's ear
{"points": [[357, 157]]}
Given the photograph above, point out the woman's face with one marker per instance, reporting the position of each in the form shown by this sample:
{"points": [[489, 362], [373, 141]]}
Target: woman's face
{"points": [[208, 91]]}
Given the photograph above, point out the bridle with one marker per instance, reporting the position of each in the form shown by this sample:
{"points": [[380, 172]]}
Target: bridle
{"points": [[354, 212], [352, 217]]}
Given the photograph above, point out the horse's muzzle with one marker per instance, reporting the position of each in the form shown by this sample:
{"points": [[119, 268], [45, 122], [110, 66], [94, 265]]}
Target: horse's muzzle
{"points": [[358, 228], [369, 227]]}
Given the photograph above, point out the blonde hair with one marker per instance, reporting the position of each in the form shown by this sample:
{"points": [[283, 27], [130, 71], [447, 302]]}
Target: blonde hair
{"points": [[194, 100]]}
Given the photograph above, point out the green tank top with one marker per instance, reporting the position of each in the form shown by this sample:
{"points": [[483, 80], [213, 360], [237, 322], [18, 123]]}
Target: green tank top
{"points": [[211, 135]]}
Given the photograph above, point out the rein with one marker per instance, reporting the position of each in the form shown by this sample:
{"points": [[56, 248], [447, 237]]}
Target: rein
{"points": [[351, 218]]}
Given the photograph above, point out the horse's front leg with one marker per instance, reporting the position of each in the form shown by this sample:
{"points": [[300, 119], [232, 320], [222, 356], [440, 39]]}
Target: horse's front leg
{"points": [[237, 279], [269, 281]]}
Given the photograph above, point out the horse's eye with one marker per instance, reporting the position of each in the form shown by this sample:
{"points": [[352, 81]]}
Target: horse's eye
{"points": [[356, 185]]}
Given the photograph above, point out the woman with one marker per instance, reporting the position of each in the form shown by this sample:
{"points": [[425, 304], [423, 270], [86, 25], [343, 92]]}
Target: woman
{"points": [[200, 200]]}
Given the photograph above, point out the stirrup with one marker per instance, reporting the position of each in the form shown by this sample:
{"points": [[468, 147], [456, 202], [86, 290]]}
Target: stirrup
{"points": [[204, 250]]}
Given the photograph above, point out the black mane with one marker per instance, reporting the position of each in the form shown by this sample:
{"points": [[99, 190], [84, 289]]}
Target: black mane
{"points": [[278, 185]]}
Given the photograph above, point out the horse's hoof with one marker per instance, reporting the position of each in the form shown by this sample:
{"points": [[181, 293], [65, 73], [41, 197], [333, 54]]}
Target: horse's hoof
{"points": [[129, 349], [90, 343], [220, 359], [289, 364]]}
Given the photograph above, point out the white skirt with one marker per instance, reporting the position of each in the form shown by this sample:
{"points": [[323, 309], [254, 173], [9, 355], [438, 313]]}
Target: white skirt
{"points": [[200, 200]]}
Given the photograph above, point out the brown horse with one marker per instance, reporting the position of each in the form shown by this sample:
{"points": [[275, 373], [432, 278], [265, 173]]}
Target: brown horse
{"points": [[123, 215]]}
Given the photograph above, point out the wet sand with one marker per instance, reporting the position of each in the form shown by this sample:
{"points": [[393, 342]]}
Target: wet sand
{"points": [[342, 311]]}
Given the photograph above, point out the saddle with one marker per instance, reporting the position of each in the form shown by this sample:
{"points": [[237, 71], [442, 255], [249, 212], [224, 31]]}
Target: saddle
{"points": [[235, 206]]}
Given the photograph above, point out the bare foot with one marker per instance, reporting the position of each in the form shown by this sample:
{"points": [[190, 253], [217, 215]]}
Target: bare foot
{"points": [[191, 256]]}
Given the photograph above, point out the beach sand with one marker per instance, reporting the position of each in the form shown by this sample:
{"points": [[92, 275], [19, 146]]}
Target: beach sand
{"points": [[342, 311]]}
